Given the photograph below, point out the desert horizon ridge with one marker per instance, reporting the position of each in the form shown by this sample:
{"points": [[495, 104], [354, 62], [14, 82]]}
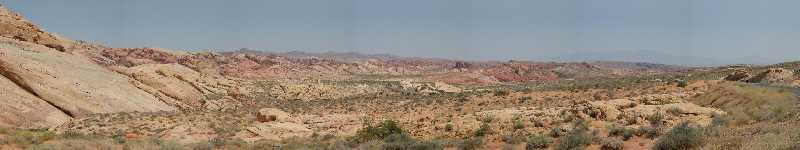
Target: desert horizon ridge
{"points": [[57, 93]]}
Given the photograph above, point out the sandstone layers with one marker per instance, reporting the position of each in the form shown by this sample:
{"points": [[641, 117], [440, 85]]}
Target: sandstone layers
{"points": [[45, 85]]}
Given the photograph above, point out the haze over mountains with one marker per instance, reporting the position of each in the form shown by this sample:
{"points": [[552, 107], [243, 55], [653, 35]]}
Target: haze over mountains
{"points": [[681, 32]]}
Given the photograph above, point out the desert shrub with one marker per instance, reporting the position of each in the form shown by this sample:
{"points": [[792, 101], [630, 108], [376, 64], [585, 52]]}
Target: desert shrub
{"points": [[555, 132], [649, 132], [578, 138], [621, 131], [484, 129], [487, 119], [471, 143], [614, 130], [518, 123], [627, 134], [611, 144], [501, 93], [526, 90], [119, 137], [719, 120], [448, 127], [74, 135], [512, 138], [680, 137], [538, 141], [655, 119], [386, 128], [405, 142], [525, 99], [683, 83]]}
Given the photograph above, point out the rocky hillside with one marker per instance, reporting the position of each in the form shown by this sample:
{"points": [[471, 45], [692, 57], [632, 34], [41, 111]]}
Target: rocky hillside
{"points": [[48, 80], [251, 64]]}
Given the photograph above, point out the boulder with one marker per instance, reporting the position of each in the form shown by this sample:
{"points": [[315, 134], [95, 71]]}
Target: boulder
{"points": [[273, 115], [21, 109], [738, 75], [72, 83]]}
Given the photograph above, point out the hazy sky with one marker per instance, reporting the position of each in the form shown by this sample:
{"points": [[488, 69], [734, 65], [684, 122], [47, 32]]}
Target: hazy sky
{"points": [[661, 31]]}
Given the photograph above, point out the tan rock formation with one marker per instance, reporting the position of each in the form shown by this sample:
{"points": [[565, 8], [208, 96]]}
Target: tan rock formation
{"points": [[18, 108], [13, 26], [72, 83]]}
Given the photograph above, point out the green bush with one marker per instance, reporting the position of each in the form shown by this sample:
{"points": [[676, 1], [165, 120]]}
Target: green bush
{"points": [[611, 144], [556, 132], [683, 83], [525, 99], [512, 138], [649, 132], [448, 127], [621, 131], [405, 142], [484, 130], [719, 120], [655, 119], [538, 142], [578, 138], [386, 128], [471, 143], [681, 137], [518, 123], [501, 93]]}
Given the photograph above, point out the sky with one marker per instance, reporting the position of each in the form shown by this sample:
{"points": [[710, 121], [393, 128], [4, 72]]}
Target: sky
{"points": [[681, 32]]}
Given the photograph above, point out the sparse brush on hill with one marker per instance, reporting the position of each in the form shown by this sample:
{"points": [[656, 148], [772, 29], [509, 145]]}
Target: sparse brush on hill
{"points": [[745, 103]]}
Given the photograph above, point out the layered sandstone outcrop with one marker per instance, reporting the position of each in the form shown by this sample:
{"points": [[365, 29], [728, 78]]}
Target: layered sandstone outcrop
{"points": [[14, 26], [47, 80], [72, 83], [18, 108]]}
